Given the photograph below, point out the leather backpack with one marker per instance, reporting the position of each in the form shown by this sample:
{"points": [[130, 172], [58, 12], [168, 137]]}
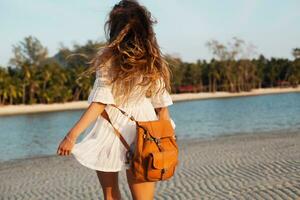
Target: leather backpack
{"points": [[154, 153]]}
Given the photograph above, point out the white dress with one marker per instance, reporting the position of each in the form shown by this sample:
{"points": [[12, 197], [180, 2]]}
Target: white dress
{"points": [[101, 149]]}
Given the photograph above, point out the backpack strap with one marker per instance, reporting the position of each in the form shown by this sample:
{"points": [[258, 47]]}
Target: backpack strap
{"points": [[124, 113], [105, 115]]}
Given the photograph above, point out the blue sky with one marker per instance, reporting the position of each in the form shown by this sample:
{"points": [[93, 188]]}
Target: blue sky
{"points": [[183, 26]]}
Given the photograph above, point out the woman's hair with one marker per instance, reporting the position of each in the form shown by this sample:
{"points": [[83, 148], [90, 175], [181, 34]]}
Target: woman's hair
{"points": [[131, 52]]}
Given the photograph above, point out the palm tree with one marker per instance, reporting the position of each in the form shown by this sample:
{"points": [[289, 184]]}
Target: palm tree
{"points": [[293, 73], [296, 53], [52, 79], [260, 63], [177, 69], [28, 55], [213, 75], [9, 87]]}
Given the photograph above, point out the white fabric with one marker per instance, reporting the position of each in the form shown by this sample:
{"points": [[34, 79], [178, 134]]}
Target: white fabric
{"points": [[100, 148]]}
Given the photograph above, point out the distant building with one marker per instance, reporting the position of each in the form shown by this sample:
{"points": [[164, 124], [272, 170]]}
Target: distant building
{"points": [[188, 88]]}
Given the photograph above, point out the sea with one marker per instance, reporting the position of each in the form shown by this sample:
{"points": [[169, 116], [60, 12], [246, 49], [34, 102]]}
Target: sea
{"points": [[34, 135]]}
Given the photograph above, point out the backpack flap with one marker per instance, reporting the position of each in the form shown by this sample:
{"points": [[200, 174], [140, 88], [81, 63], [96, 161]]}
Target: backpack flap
{"points": [[159, 128]]}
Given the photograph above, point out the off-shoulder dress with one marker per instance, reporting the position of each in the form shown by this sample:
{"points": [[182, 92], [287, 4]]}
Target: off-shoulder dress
{"points": [[101, 149]]}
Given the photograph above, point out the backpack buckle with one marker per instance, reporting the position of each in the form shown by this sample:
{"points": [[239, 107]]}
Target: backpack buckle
{"points": [[157, 141], [128, 157]]}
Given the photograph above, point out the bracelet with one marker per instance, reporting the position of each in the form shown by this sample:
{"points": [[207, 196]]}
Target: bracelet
{"points": [[67, 137]]}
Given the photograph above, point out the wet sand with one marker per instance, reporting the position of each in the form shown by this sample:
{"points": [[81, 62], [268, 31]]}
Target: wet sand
{"points": [[260, 166], [24, 109]]}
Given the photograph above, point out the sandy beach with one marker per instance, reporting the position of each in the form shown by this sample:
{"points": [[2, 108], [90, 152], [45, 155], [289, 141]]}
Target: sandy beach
{"points": [[23, 109], [260, 166]]}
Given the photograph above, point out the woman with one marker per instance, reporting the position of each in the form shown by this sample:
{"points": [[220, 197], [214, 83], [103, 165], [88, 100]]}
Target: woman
{"points": [[132, 74]]}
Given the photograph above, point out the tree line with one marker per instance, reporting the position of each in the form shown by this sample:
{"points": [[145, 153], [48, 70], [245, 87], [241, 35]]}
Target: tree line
{"points": [[34, 77]]}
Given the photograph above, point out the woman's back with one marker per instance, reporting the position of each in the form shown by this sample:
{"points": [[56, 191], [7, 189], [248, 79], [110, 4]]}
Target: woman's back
{"points": [[106, 152], [138, 68]]}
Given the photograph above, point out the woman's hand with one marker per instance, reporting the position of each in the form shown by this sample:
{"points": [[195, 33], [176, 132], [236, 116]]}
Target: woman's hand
{"points": [[65, 146]]}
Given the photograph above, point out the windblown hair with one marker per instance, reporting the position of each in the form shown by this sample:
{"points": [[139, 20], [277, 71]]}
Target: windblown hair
{"points": [[131, 52]]}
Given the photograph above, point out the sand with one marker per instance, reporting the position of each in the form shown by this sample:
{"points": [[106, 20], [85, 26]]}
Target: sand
{"points": [[23, 109], [260, 166]]}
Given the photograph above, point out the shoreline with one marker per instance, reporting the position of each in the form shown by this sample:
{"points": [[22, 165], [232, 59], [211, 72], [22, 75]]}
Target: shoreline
{"points": [[77, 105], [233, 167]]}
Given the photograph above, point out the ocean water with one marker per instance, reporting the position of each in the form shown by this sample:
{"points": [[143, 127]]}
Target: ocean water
{"points": [[32, 135]]}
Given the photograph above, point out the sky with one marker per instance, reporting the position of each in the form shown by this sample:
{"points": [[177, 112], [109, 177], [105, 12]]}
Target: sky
{"points": [[183, 28]]}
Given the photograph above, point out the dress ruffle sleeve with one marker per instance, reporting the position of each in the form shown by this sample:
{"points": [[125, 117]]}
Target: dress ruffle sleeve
{"points": [[101, 91], [161, 99]]}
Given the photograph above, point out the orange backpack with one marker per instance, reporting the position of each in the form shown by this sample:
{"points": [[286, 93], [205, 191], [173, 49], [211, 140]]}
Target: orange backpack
{"points": [[154, 156]]}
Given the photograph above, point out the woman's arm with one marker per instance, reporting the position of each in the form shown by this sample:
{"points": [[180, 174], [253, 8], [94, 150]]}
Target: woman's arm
{"points": [[163, 113], [90, 115]]}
